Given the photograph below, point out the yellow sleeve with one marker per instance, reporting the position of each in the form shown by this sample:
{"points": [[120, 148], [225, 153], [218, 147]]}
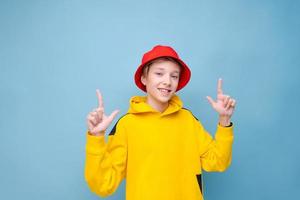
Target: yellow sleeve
{"points": [[105, 164], [215, 154]]}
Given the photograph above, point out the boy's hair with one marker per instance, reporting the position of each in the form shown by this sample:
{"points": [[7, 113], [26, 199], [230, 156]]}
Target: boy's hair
{"points": [[148, 65]]}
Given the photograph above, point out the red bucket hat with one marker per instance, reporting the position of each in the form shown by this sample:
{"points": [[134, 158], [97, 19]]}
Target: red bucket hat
{"points": [[158, 52]]}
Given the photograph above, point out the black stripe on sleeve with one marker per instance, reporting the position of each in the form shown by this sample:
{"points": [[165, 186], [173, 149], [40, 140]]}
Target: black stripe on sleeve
{"points": [[199, 179], [113, 130], [191, 113]]}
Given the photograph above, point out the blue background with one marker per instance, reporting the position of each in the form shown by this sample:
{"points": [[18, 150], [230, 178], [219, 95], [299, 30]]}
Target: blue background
{"points": [[54, 54]]}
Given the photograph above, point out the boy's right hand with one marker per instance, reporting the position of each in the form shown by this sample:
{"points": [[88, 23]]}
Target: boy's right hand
{"points": [[97, 121]]}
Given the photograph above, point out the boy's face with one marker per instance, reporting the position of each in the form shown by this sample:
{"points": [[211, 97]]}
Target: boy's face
{"points": [[161, 81]]}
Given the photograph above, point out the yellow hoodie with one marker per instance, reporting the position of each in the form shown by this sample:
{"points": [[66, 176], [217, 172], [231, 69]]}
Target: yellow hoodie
{"points": [[161, 155]]}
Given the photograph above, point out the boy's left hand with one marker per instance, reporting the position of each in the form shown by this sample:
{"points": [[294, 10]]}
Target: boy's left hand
{"points": [[224, 105]]}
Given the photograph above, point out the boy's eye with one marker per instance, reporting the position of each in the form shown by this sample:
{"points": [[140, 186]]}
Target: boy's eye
{"points": [[175, 77], [158, 73]]}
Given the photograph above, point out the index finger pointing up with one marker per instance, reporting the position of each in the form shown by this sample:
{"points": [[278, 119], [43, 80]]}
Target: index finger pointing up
{"points": [[220, 91], [100, 101]]}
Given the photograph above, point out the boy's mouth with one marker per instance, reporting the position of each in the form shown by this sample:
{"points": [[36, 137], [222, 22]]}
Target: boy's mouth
{"points": [[164, 91]]}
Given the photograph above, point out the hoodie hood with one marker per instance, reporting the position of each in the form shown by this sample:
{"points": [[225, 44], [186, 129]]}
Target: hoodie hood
{"points": [[138, 105]]}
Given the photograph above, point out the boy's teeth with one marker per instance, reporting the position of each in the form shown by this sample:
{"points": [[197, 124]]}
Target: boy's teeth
{"points": [[164, 91]]}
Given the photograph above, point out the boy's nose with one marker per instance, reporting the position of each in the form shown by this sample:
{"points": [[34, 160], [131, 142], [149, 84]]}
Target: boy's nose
{"points": [[167, 80]]}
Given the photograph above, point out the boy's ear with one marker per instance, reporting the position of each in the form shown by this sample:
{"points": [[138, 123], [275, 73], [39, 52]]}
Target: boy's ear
{"points": [[143, 80]]}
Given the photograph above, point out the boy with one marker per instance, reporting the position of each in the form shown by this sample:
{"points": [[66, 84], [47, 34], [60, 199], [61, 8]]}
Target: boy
{"points": [[159, 146]]}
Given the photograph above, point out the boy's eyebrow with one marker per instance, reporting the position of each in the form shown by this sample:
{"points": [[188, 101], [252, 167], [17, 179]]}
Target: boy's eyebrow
{"points": [[160, 68]]}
